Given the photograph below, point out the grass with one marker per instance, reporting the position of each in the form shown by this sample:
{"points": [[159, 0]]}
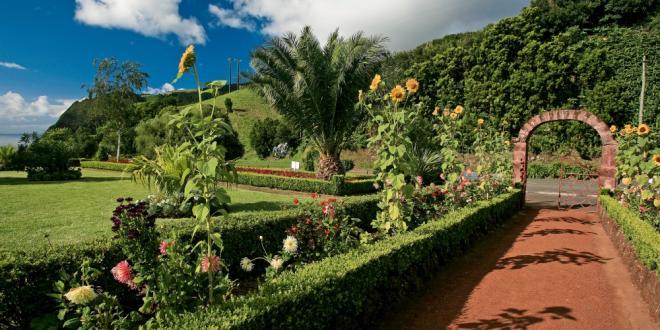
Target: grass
{"points": [[35, 214]]}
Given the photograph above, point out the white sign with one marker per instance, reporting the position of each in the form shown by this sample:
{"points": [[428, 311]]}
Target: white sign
{"points": [[295, 165]]}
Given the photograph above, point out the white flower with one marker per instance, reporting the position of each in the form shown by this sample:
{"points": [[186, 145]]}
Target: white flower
{"points": [[290, 244], [247, 265], [81, 295], [261, 238], [276, 262]]}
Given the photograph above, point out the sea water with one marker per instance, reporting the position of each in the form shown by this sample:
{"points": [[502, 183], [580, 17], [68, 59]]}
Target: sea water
{"points": [[12, 139]]}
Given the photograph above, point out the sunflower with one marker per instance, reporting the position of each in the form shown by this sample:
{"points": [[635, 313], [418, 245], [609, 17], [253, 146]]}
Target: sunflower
{"points": [[459, 109], [656, 160], [412, 86], [643, 129], [398, 94], [187, 60], [613, 128], [453, 115], [626, 181], [629, 129], [375, 83], [480, 121]]}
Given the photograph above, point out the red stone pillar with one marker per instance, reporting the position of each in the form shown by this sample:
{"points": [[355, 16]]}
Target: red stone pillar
{"points": [[607, 173], [519, 162]]}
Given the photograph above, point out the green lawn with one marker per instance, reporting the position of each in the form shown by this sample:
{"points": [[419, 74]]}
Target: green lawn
{"points": [[72, 211]]}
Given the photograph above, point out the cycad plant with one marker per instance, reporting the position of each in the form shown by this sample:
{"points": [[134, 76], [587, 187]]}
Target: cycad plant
{"points": [[315, 87], [6, 155]]}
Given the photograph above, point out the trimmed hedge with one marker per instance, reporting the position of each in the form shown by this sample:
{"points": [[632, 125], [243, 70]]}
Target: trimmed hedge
{"points": [[339, 185], [641, 234], [341, 291], [99, 165], [29, 276]]}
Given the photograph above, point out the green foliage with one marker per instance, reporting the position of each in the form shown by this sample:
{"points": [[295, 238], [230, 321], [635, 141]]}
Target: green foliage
{"points": [[542, 170], [47, 158], [337, 186], [314, 87], [229, 105], [339, 290], [347, 164], [641, 234], [123, 167], [310, 158], [7, 154], [28, 275], [263, 136]]}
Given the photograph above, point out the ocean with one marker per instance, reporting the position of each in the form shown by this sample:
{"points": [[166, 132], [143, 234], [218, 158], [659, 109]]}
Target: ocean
{"points": [[12, 139]]}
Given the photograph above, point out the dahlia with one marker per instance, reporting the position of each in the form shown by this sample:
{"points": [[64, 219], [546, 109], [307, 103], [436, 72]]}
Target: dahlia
{"points": [[290, 244], [276, 262], [211, 264], [81, 295], [123, 273], [247, 265]]}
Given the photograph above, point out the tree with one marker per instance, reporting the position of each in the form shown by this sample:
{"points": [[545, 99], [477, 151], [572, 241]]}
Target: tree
{"points": [[315, 87], [115, 91]]}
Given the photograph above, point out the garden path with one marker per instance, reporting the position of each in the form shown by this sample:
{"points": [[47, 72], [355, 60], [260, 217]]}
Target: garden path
{"points": [[546, 269]]}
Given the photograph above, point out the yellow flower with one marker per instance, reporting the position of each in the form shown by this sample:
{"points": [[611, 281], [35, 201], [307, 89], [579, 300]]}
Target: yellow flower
{"points": [[453, 115], [81, 295], [412, 86], [459, 109], [629, 129], [187, 60], [626, 181], [480, 121], [613, 128], [360, 96], [375, 82], [507, 142], [643, 129], [656, 160], [436, 111], [398, 94]]}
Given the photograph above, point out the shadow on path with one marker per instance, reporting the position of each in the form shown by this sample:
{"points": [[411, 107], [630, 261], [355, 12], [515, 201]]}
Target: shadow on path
{"points": [[512, 318], [562, 256]]}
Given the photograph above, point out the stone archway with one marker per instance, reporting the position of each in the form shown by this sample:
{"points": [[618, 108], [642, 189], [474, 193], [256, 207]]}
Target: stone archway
{"points": [[607, 173]]}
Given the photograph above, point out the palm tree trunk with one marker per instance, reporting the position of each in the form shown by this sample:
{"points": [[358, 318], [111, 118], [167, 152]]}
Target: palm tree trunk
{"points": [[329, 165]]}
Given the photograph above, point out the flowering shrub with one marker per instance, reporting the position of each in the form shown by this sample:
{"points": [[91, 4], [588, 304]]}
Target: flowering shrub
{"points": [[638, 169], [322, 230]]}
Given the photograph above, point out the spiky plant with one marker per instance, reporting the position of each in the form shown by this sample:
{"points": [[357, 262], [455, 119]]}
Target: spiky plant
{"points": [[315, 87]]}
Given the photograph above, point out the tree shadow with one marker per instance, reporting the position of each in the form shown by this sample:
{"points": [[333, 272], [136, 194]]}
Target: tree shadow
{"points": [[566, 220], [557, 231], [562, 256], [512, 318]]}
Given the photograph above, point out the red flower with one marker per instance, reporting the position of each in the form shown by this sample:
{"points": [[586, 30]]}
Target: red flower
{"points": [[164, 245], [314, 195], [327, 232], [211, 264], [296, 201], [123, 273]]}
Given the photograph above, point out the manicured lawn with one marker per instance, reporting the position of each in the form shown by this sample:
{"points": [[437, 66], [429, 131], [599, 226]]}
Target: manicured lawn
{"points": [[68, 212]]}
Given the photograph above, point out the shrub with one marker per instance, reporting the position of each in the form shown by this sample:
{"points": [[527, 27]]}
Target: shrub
{"points": [[641, 234], [262, 136], [229, 105], [110, 166], [347, 164], [338, 291], [48, 160], [28, 276], [541, 170], [337, 186], [310, 158]]}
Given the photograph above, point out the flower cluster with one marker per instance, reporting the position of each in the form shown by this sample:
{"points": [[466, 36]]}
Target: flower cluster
{"points": [[128, 211]]}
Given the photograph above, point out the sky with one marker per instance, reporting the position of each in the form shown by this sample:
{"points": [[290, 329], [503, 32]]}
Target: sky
{"points": [[47, 47]]}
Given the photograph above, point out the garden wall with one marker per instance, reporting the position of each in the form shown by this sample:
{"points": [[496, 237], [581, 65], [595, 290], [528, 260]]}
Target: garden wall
{"points": [[345, 291]]}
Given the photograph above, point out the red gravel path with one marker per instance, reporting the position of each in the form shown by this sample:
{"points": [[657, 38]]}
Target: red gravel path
{"points": [[546, 269]]}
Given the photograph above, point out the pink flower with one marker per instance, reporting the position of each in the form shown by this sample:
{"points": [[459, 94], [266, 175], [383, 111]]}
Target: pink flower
{"points": [[211, 264], [420, 180], [329, 210], [164, 245], [123, 273]]}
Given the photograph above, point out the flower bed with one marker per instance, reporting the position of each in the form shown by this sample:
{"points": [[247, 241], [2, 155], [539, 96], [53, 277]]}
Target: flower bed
{"points": [[278, 172], [340, 290], [339, 185], [641, 234], [28, 277]]}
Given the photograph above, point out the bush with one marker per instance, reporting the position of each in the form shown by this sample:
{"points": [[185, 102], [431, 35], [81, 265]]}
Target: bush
{"points": [[538, 170], [29, 276], [262, 136], [48, 160], [347, 164], [110, 166], [310, 158], [340, 291], [229, 105], [7, 154], [641, 234]]}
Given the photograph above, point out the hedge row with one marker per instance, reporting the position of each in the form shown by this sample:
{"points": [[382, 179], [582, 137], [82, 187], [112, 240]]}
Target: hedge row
{"points": [[641, 234], [553, 170], [343, 291], [337, 186], [29, 276]]}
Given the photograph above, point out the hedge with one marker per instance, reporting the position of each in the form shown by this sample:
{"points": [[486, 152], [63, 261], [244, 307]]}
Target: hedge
{"points": [[337, 186], [641, 234], [536, 170], [29, 276], [343, 291]]}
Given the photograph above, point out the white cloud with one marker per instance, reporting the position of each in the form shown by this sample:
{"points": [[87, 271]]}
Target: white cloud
{"points": [[167, 87], [230, 18], [12, 65], [407, 24], [14, 107], [152, 18]]}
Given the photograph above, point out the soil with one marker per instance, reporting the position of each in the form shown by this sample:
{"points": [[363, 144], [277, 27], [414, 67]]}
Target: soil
{"points": [[546, 269]]}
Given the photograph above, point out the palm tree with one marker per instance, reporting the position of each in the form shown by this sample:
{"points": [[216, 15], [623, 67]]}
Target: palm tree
{"points": [[315, 87]]}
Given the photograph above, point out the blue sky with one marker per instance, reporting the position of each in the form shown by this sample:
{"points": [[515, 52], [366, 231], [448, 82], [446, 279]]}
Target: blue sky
{"points": [[47, 47]]}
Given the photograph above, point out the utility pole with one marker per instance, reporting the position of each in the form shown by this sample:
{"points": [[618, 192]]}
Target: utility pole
{"points": [[229, 80], [238, 73], [641, 94]]}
